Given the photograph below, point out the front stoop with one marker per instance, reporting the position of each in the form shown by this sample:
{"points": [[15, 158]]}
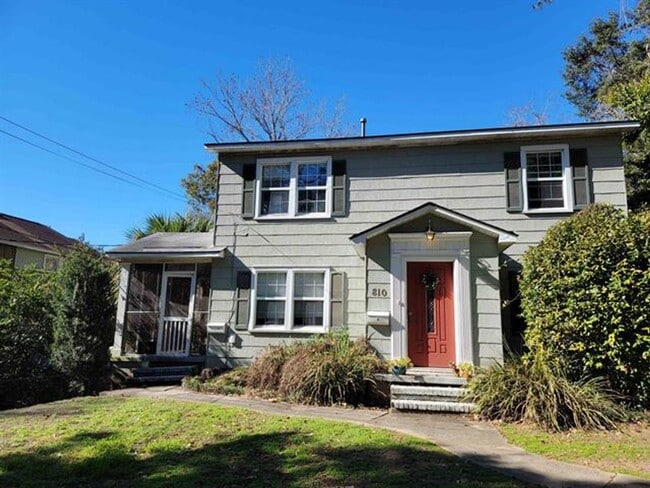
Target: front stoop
{"points": [[158, 371], [422, 389]]}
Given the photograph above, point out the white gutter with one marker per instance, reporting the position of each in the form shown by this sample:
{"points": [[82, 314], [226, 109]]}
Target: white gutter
{"points": [[166, 255]]}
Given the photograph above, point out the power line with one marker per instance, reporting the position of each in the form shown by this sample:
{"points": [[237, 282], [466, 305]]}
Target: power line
{"points": [[87, 165], [80, 153]]}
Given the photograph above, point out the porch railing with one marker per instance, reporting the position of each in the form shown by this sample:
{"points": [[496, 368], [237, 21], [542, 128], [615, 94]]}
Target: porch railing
{"points": [[175, 337]]}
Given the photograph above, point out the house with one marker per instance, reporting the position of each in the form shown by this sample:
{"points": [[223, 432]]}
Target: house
{"points": [[25, 242], [410, 240]]}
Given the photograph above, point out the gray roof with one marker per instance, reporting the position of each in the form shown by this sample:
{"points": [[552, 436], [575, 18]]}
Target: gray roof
{"points": [[169, 246], [428, 138]]}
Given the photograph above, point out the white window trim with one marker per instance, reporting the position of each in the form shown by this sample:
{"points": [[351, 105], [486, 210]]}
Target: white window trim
{"points": [[567, 186], [293, 188], [289, 301]]}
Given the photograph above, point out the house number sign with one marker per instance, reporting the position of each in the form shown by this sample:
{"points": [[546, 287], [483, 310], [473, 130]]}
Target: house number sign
{"points": [[379, 292]]}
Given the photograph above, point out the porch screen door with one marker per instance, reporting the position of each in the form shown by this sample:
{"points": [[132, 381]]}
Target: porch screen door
{"points": [[175, 328]]}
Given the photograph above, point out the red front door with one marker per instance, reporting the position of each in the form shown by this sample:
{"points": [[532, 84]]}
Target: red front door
{"points": [[430, 314]]}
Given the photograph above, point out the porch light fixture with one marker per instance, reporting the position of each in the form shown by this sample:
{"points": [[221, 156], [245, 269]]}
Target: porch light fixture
{"points": [[429, 234]]}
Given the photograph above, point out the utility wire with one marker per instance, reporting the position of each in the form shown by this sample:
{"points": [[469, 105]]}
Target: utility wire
{"points": [[80, 153], [88, 165]]}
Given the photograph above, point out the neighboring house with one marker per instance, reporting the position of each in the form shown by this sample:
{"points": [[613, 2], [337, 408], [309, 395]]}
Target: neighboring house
{"points": [[25, 242], [412, 241]]}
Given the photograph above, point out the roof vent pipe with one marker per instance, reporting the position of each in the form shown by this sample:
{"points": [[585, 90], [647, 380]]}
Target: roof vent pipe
{"points": [[363, 126]]}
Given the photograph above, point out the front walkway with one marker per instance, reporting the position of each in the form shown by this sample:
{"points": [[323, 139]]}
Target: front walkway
{"points": [[477, 442]]}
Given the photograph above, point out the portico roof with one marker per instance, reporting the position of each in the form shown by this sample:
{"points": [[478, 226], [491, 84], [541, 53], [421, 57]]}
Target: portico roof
{"points": [[504, 237]]}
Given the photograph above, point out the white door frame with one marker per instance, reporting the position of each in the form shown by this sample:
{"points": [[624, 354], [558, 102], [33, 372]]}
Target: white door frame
{"points": [[189, 318], [451, 247]]}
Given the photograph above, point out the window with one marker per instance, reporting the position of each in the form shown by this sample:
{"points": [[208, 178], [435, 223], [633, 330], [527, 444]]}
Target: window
{"points": [[294, 188], [546, 175], [291, 300], [51, 263]]}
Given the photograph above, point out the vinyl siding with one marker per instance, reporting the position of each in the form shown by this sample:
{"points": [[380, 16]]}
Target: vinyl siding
{"points": [[383, 184], [25, 257]]}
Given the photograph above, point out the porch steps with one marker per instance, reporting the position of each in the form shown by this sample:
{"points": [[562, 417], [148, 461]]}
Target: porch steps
{"points": [[133, 373], [430, 398], [427, 389]]}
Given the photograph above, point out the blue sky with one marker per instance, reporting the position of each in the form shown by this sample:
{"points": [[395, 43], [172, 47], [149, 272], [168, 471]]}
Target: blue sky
{"points": [[112, 79]]}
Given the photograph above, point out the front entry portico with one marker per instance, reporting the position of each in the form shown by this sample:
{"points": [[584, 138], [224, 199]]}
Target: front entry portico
{"points": [[413, 329]]}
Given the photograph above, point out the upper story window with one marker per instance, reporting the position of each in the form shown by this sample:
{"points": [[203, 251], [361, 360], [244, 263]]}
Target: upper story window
{"points": [[547, 178], [293, 300], [294, 188]]}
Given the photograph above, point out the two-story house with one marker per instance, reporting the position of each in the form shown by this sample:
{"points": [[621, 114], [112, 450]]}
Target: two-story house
{"points": [[410, 240]]}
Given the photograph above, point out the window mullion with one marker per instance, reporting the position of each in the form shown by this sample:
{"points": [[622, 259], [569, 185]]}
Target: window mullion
{"points": [[293, 192], [288, 314]]}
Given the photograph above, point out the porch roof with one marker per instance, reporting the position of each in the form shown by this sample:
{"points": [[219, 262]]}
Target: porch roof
{"points": [[504, 237], [169, 246]]}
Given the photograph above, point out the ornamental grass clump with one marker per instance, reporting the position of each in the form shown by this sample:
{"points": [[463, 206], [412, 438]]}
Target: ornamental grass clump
{"points": [[325, 370], [536, 389], [331, 370], [265, 372], [232, 382]]}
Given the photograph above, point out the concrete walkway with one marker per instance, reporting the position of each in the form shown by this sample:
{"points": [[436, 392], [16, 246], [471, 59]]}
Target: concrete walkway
{"points": [[477, 442]]}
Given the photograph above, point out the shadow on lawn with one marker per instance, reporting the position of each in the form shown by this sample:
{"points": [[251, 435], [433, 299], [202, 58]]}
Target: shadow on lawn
{"points": [[278, 459]]}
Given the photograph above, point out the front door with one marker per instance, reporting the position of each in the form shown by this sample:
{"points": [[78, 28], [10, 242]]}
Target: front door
{"points": [[175, 326], [430, 303]]}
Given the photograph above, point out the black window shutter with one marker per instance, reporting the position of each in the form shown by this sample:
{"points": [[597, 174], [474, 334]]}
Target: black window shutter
{"points": [[248, 192], [514, 189], [242, 299], [337, 301], [339, 188], [582, 195]]}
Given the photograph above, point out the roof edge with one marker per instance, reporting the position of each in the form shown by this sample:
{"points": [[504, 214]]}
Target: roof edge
{"points": [[427, 138]]}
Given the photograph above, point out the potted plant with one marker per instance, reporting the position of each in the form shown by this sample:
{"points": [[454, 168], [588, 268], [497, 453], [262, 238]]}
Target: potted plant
{"points": [[398, 365], [463, 370]]}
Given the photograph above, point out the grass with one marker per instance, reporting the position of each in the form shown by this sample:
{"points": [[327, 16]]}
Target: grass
{"points": [[626, 451], [109, 441]]}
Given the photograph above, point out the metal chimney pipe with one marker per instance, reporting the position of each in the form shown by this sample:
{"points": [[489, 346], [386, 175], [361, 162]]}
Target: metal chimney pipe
{"points": [[363, 126]]}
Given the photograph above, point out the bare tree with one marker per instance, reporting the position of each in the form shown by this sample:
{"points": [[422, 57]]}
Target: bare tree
{"points": [[527, 114], [273, 104]]}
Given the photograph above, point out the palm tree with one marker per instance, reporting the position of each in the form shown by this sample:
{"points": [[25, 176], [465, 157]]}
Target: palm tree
{"points": [[170, 223]]}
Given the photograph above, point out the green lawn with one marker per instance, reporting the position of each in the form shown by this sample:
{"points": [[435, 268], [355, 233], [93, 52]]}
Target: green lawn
{"points": [[109, 441], [627, 451]]}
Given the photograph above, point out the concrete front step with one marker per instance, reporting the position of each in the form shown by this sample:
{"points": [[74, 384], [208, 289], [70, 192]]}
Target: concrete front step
{"points": [[431, 398], [432, 393], [157, 380], [152, 373], [432, 406], [164, 371], [421, 379]]}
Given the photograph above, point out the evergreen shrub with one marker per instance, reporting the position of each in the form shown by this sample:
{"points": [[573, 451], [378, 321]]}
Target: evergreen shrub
{"points": [[585, 296]]}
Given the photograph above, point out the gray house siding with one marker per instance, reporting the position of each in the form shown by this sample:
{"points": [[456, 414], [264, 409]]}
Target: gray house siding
{"points": [[466, 178], [26, 257]]}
